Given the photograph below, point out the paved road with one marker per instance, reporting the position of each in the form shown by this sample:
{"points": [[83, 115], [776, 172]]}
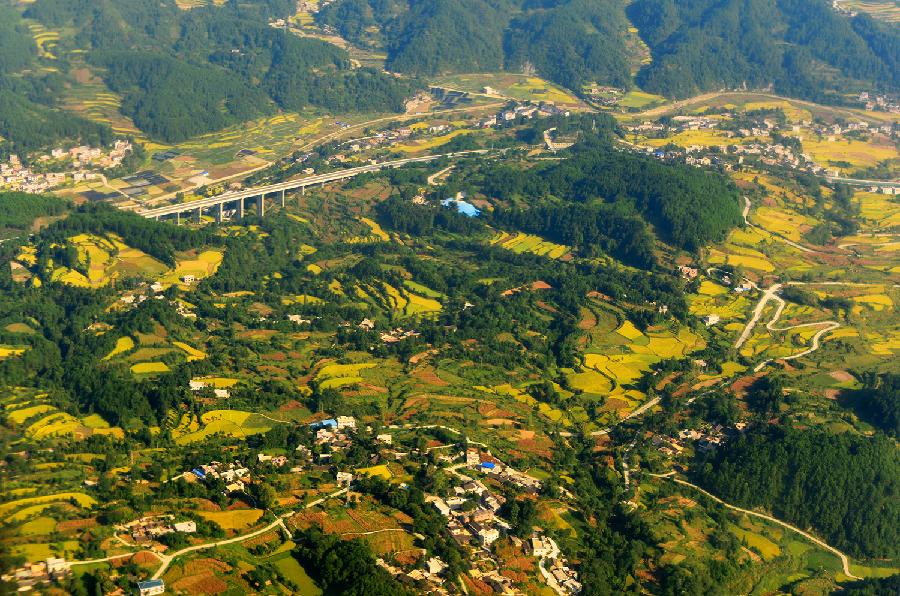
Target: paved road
{"points": [[788, 241], [167, 559], [845, 561], [295, 184], [771, 293]]}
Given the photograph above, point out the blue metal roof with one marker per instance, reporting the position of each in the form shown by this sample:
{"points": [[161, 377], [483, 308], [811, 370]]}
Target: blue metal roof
{"points": [[488, 464], [151, 583]]}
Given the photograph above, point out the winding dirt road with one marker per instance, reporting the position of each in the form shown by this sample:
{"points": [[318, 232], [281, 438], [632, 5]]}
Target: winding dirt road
{"points": [[845, 561]]}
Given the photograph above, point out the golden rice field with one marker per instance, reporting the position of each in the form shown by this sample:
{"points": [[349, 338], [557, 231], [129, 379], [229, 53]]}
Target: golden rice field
{"points": [[789, 224], [235, 519], [193, 354], [792, 112], [740, 256], [522, 243], [626, 364], [149, 368], [334, 376], [301, 299], [881, 211], [640, 99], [201, 265], [859, 154], [880, 10], [432, 142], [105, 258], [515, 86], [10, 351], [381, 471], [123, 344], [230, 423], [20, 415], [83, 500]]}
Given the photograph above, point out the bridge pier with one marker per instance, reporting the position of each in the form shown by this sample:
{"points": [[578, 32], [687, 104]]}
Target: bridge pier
{"points": [[178, 219], [198, 215], [282, 197], [261, 206], [240, 208], [220, 212]]}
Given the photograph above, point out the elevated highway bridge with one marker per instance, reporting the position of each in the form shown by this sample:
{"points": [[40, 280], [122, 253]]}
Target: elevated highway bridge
{"points": [[237, 200]]}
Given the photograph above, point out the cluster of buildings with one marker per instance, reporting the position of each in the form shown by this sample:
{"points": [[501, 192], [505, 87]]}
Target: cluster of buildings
{"points": [[759, 139], [705, 438], [35, 576], [235, 475], [880, 103], [61, 166], [554, 567], [520, 111], [427, 579], [334, 433], [151, 528], [472, 510], [197, 385]]}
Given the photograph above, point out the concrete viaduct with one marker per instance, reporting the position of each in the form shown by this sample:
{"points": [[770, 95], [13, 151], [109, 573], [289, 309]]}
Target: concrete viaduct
{"points": [[258, 195]]}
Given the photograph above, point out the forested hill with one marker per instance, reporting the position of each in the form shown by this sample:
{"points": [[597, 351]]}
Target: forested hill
{"points": [[798, 47], [569, 41], [843, 486], [182, 73]]}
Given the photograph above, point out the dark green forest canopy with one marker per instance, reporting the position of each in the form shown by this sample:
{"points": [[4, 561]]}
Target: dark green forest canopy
{"points": [[800, 47], [571, 42], [183, 73], [792, 45], [686, 206], [843, 486]]}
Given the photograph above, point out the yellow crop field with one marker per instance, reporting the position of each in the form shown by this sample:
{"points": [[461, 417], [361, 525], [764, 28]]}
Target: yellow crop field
{"points": [[338, 382], [314, 269], [218, 382], [522, 243], [7, 351], [231, 423], [756, 261], [629, 331], [193, 354], [301, 299], [793, 113], [639, 99], [38, 526], [711, 288], [590, 381], [20, 416], [766, 548], [82, 499], [789, 224], [236, 519], [875, 301], [123, 344], [335, 371], [146, 368], [376, 229], [883, 211], [859, 154], [397, 300], [56, 424], [202, 265], [381, 471], [433, 142], [420, 305]]}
